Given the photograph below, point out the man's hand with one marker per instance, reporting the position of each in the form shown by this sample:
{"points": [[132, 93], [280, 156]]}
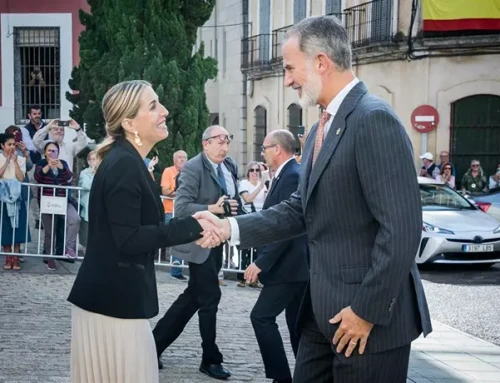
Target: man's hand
{"points": [[73, 125], [53, 124], [252, 273], [223, 224], [352, 330], [218, 207], [211, 234]]}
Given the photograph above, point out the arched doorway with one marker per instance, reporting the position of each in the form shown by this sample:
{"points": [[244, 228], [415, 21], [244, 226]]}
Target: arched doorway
{"points": [[294, 122], [475, 133], [260, 131]]}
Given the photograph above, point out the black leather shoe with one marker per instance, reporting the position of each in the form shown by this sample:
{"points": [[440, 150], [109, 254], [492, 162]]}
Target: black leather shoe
{"points": [[215, 371], [160, 363]]}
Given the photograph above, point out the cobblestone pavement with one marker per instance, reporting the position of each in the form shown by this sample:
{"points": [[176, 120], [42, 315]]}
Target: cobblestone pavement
{"points": [[35, 331]]}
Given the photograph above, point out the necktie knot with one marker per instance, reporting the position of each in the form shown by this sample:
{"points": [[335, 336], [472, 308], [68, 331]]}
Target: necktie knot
{"points": [[324, 117]]}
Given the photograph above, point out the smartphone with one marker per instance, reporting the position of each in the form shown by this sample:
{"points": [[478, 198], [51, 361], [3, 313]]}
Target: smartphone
{"points": [[302, 130], [18, 137], [63, 123]]}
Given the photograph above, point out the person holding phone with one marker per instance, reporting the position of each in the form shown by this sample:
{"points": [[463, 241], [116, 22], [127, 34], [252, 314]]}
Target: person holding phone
{"points": [[56, 131], [54, 171]]}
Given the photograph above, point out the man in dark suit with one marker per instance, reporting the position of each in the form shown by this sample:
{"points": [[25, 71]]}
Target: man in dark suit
{"points": [[205, 182], [281, 267], [359, 204]]}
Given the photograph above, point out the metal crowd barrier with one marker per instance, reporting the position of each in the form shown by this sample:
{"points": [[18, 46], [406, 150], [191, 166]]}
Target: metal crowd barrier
{"points": [[56, 207]]}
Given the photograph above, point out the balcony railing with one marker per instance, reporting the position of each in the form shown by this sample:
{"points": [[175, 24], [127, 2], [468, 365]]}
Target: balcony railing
{"points": [[278, 36], [256, 52], [370, 23]]}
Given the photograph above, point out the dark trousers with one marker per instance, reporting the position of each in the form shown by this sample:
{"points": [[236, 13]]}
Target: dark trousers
{"points": [[203, 295], [272, 301], [317, 361]]}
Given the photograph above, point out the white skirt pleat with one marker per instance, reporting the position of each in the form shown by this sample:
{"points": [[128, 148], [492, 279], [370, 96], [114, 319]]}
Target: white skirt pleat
{"points": [[111, 350]]}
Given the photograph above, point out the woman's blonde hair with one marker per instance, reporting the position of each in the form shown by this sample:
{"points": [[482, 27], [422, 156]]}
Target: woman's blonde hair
{"points": [[120, 102]]}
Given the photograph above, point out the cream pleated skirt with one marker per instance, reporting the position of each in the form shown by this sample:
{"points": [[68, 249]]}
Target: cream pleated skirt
{"points": [[111, 350]]}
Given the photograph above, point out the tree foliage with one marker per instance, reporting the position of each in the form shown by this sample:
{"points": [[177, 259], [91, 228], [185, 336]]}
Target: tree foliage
{"points": [[152, 40]]}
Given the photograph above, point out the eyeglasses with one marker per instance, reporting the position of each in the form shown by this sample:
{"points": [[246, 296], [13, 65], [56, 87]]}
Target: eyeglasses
{"points": [[475, 165], [222, 138], [52, 150], [264, 148], [254, 170]]}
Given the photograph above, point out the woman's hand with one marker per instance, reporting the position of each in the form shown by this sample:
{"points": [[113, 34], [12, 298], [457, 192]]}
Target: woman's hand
{"points": [[59, 164]]}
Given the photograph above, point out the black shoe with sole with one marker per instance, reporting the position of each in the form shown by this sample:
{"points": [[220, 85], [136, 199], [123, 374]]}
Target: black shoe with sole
{"points": [[215, 371]]}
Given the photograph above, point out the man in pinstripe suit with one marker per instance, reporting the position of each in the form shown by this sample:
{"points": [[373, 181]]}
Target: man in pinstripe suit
{"points": [[359, 203]]}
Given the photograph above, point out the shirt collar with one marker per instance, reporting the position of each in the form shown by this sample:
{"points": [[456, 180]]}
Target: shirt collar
{"points": [[278, 172], [334, 105]]}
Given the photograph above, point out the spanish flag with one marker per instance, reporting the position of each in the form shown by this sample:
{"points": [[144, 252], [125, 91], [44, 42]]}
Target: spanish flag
{"points": [[461, 15]]}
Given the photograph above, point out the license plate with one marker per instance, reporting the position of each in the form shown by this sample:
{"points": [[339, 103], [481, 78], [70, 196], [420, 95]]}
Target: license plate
{"points": [[477, 248]]}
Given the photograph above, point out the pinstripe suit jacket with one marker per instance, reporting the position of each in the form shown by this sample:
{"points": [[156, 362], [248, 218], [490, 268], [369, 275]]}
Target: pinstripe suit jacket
{"points": [[360, 207]]}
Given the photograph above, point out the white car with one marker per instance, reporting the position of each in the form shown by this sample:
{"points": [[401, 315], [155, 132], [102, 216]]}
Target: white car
{"points": [[455, 230]]}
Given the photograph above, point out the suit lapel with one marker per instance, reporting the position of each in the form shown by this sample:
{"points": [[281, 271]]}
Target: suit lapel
{"points": [[275, 183], [152, 185], [332, 139]]}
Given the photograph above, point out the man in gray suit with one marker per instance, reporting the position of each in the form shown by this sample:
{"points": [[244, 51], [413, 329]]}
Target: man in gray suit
{"points": [[359, 204], [205, 182]]}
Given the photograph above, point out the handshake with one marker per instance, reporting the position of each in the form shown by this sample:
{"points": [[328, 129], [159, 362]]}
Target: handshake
{"points": [[215, 230]]}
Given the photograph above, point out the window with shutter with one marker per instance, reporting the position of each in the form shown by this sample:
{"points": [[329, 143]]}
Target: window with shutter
{"points": [[381, 29], [333, 7], [264, 30], [299, 10], [260, 131]]}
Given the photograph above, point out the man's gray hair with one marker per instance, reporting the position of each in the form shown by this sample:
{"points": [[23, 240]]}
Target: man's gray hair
{"points": [[208, 132], [323, 34], [284, 139], [178, 153]]}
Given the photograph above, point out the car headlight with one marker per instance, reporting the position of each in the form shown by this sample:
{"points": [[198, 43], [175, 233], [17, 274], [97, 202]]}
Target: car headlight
{"points": [[434, 229], [497, 230]]}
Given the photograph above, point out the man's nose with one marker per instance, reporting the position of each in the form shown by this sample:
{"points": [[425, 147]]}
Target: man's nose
{"points": [[288, 81]]}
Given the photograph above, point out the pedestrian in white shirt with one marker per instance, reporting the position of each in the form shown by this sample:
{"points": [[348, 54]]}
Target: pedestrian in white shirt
{"points": [[67, 150]]}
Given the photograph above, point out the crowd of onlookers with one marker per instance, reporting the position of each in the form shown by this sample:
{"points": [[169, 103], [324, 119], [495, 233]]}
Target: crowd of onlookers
{"points": [[38, 154], [474, 181]]}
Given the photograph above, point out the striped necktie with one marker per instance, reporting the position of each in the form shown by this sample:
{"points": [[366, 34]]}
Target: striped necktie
{"points": [[320, 133]]}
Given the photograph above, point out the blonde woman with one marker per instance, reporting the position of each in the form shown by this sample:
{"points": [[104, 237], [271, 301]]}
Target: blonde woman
{"points": [[114, 293]]}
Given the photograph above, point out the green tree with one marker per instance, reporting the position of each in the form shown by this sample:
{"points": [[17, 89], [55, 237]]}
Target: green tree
{"points": [[151, 40]]}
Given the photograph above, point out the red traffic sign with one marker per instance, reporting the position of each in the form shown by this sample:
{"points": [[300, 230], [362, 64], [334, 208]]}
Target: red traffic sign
{"points": [[425, 118]]}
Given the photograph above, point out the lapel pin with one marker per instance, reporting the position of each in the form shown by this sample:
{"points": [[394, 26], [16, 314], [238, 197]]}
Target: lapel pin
{"points": [[338, 131]]}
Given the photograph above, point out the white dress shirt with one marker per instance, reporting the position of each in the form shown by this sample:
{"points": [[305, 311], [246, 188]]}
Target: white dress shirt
{"points": [[228, 177], [332, 108]]}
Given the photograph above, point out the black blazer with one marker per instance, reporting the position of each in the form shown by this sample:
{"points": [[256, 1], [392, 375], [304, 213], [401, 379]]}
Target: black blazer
{"points": [[126, 229], [286, 261]]}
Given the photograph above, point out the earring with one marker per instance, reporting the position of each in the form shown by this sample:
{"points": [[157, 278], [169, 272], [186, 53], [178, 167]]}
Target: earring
{"points": [[137, 139]]}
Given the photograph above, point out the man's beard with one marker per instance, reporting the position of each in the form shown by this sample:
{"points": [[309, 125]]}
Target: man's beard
{"points": [[311, 89]]}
